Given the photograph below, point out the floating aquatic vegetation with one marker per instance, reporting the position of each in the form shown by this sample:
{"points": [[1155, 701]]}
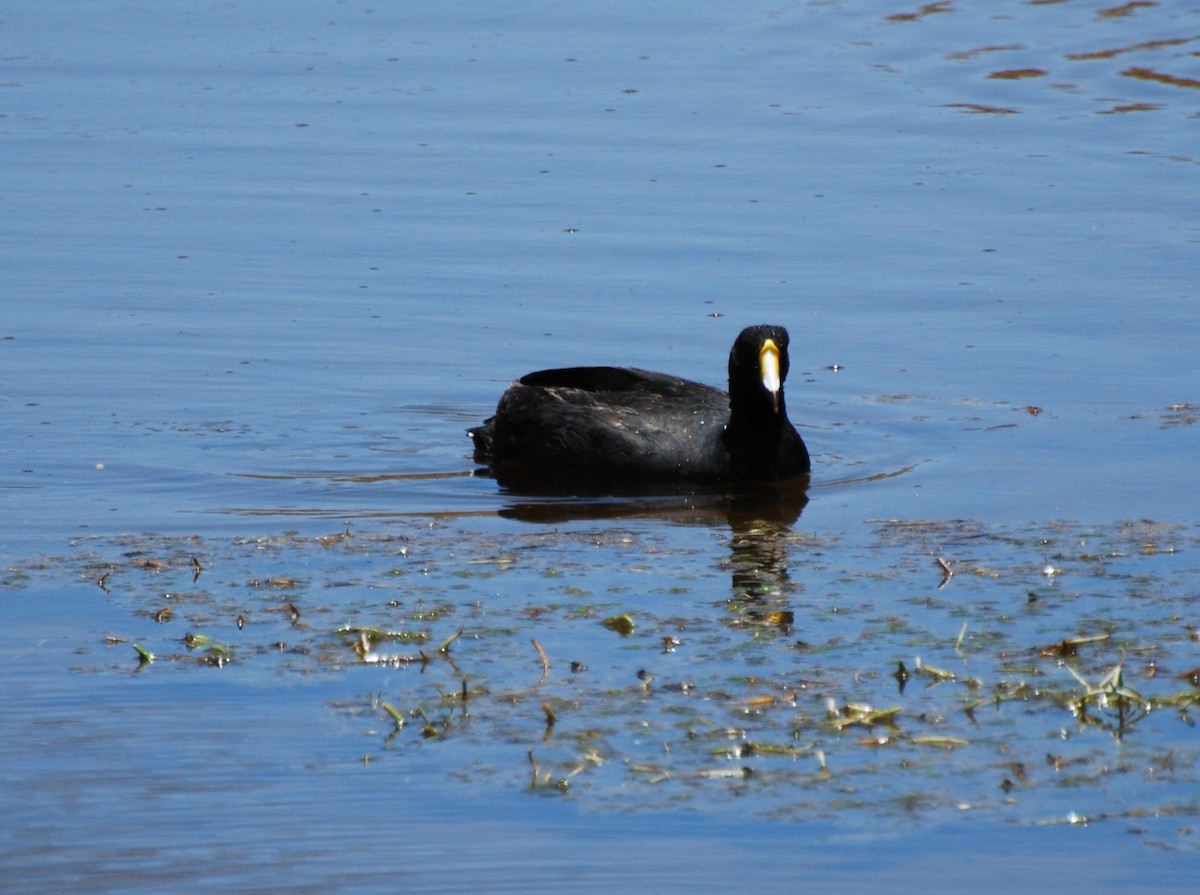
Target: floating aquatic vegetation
{"points": [[623, 624], [915, 666]]}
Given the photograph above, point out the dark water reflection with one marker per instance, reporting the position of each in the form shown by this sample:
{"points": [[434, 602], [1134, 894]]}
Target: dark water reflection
{"points": [[780, 503], [760, 520]]}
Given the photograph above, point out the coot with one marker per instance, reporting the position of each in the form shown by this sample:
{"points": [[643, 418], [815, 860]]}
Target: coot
{"points": [[620, 424]]}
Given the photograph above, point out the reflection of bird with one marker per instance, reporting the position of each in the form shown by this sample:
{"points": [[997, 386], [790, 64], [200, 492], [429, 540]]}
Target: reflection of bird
{"points": [[618, 424]]}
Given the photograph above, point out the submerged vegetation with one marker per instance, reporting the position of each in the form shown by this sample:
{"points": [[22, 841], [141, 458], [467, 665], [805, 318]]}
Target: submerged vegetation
{"points": [[911, 668]]}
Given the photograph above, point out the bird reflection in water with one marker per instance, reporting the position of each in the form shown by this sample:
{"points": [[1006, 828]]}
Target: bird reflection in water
{"points": [[760, 519]]}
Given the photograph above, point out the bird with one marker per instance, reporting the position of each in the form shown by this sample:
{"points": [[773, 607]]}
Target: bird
{"points": [[624, 425]]}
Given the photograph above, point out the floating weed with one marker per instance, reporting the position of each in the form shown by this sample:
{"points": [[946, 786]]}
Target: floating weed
{"points": [[623, 624], [397, 718], [279, 583], [373, 636], [941, 742], [776, 671], [196, 641], [852, 714], [936, 675], [1112, 696], [444, 646], [1070, 646]]}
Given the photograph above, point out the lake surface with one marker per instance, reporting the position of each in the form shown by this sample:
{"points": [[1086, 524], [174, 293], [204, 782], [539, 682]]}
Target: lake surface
{"points": [[264, 265]]}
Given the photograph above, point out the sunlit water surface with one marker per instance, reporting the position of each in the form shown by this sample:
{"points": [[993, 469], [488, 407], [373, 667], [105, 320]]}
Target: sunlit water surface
{"points": [[265, 263]]}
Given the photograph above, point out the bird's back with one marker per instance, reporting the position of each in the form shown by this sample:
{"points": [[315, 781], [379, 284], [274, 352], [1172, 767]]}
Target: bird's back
{"points": [[609, 422]]}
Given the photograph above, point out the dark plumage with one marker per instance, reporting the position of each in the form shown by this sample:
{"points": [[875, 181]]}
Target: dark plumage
{"points": [[618, 424]]}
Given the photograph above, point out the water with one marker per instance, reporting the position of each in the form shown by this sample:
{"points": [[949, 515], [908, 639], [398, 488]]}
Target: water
{"points": [[263, 266]]}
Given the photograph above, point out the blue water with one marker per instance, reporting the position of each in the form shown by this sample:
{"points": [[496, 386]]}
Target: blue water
{"points": [[263, 265]]}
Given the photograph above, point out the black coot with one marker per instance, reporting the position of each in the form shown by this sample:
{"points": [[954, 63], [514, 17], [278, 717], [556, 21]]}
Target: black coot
{"points": [[618, 424]]}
